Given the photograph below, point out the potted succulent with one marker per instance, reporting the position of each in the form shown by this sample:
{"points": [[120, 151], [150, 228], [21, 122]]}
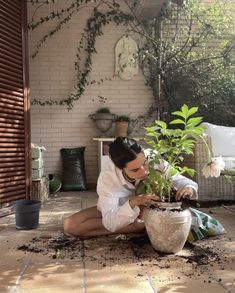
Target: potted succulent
{"points": [[167, 224], [103, 119], [122, 124]]}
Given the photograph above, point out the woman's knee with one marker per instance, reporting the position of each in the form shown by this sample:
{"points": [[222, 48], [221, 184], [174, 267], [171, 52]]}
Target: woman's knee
{"points": [[68, 225], [73, 224]]}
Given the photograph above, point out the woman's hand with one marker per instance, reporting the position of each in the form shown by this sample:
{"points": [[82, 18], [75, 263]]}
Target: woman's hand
{"points": [[143, 200], [185, 192], [142, 211]]}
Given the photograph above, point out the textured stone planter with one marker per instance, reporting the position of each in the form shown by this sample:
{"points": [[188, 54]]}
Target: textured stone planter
{"points": [[103, 121], [168, 229]]}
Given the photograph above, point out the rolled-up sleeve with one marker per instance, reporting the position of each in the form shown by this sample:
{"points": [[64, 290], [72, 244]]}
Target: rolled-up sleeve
{"points": [[113, 201], [180, 181], [114, 216]]}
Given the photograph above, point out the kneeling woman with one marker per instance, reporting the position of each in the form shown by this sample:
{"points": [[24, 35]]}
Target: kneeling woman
{"points": [[118, 209]]}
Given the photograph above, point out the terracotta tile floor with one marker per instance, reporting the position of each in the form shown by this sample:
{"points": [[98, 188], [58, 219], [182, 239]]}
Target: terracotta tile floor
{"points": [[110, 264]]}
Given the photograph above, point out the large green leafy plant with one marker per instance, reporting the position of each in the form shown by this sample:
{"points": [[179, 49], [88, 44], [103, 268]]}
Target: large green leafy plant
{"points": [[188, 58], [169, 143]]}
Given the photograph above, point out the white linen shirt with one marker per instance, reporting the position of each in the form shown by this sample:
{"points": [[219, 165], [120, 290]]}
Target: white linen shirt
{"points": [[114, 192]]}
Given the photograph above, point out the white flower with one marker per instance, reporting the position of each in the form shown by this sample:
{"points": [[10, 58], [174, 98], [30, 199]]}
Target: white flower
{"points": [[214, 167]]}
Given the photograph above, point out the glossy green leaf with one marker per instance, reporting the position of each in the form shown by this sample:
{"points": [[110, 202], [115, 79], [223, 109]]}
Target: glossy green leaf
{"points": [[177, 121]]}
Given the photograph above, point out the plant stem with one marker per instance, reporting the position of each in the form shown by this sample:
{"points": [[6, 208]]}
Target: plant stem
{"points": [[207, 148]]}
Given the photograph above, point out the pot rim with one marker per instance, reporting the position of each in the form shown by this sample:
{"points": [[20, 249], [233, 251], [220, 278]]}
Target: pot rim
{"points": [[169, 205]]}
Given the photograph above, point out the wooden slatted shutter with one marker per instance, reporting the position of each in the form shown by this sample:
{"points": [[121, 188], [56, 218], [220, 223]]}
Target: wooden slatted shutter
{"points": [[14, 102]]}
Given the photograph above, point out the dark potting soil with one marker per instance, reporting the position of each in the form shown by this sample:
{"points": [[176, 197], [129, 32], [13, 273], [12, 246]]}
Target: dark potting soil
{"points": [[186, 203]]}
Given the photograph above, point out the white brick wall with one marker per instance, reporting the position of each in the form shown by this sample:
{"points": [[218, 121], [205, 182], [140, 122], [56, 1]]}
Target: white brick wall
{"points": [[52, 75]]}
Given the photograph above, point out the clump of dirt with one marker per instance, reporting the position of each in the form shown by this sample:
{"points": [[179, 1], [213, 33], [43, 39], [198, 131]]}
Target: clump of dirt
{"points": [[202, 256], [54, 247], [29, 248]]}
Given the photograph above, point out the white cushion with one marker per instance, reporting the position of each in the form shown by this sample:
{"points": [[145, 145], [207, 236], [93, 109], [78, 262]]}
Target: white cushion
{"points": [[222, 139], [229, 162]]}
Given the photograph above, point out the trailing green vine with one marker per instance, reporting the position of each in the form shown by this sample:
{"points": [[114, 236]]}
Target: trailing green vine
{"points": [[177, 58], [92, 31]]}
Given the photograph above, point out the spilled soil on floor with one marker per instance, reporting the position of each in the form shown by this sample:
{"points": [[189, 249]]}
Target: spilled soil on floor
{"points": [[195, 259]]}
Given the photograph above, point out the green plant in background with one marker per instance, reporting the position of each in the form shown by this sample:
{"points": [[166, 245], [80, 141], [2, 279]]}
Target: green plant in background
{"points": [[169, 143], [123, 118], [188, 58], [103, 110], [188, 51]]}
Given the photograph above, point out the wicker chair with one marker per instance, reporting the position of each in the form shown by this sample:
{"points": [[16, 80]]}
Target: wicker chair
{"points": [[210, 189]]}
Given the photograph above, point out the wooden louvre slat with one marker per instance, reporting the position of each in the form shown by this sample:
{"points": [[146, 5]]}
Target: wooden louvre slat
{"points": [[13, 84], [9, 159], [13, 108], [15, 175], [10, 99], [11, 144], [12, 126], [7, 63], [12, 164], [14, 5], [8, 37], [8, 72], [6, 171], [11, 154], [9, 180], [9, 60], [12, 53], [6, 46], [6, 15], [12, 188], [15, 105], [14, 15], [12, 197], [12, 95], [11, 185], [12, 131], [9, 69], [11, 116], [9, 76], [11, 150]]}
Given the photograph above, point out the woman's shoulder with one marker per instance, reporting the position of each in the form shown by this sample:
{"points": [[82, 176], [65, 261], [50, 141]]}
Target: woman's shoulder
{"points": [[108, 175]]}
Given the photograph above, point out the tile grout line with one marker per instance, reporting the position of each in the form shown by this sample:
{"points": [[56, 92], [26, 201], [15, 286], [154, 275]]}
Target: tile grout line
{"points": [[222, 285], [228, 208], [83, 266], [154, 290], [14, 289], [83, 285]]}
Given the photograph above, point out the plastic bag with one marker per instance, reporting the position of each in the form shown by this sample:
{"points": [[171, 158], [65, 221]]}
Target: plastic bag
{"points": [[74, 175], [203, 226]]}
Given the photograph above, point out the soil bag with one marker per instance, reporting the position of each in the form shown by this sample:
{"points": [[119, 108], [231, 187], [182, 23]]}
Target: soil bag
{"points": [[74, 175], [203, 226]]}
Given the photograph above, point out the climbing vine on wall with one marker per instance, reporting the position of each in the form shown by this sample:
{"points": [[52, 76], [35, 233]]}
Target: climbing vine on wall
{"points": [[87, 43], [177, 57]]}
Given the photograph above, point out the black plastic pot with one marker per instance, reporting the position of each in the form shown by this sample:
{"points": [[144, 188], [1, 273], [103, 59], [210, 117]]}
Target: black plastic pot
{"points": [[27, 214]]}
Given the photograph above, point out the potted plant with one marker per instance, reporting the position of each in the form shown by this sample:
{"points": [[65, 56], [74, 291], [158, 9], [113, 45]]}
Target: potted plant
{"points": [[103, 119], [167, 224], [122, 124]]}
